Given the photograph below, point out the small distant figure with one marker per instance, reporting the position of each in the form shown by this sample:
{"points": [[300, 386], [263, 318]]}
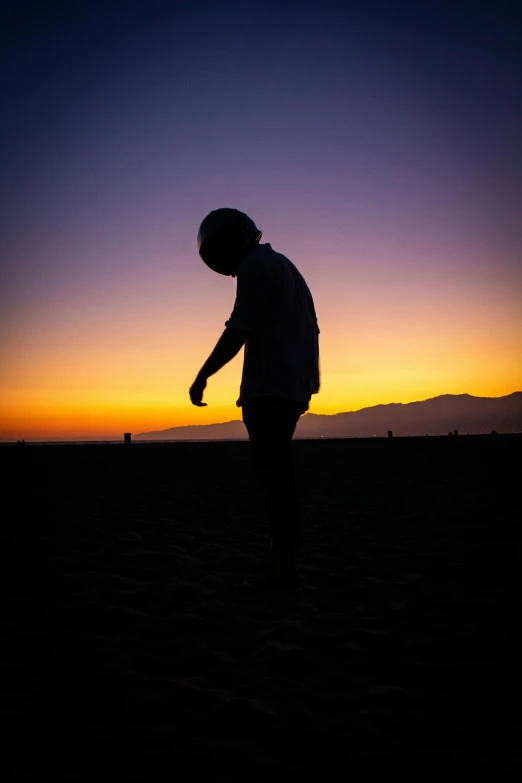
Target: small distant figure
{"points": [[21, 443], [390, 433], [455, 432], [494, 432], [127, 438], [274, 319], [450, 433]]}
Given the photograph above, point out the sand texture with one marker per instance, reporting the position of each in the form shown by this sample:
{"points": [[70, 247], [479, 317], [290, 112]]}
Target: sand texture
{"points": [[132, 650]]}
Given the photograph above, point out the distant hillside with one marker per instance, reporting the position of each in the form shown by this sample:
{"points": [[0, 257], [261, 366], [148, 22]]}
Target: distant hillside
{"points": [[230, 430], [436, 416]]}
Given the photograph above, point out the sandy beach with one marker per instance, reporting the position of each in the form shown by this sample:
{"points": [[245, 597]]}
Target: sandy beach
{"points": [[133, 651]]}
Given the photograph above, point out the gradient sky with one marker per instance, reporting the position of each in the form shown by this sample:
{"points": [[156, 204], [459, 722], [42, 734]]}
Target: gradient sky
{"points": [[377, 145]]}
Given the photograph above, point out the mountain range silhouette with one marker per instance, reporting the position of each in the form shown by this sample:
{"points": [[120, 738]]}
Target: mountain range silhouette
{"points": [[435, 416]]}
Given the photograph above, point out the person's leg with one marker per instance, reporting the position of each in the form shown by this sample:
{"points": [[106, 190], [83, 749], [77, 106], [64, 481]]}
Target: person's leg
{"points": [[271, 424]]}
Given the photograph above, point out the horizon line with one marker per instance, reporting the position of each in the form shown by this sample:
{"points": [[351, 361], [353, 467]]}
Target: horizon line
{"points": [[117, 438]]}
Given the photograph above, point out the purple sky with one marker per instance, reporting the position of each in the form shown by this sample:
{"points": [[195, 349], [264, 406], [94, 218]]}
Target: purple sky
{"points": [[376, 145]]}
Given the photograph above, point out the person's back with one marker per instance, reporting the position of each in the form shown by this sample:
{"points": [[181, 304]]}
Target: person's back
{"points": [[275, 307]]}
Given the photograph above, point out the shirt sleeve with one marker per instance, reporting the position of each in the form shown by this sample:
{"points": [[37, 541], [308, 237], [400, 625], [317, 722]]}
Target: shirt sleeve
{"points": [[251, 296]]}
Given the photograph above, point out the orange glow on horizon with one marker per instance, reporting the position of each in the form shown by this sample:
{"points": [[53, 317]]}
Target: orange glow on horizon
{"points": [[93, 369], [120, 402]]}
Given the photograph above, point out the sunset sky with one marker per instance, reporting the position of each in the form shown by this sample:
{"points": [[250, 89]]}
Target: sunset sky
{"points": [[375, 144]]}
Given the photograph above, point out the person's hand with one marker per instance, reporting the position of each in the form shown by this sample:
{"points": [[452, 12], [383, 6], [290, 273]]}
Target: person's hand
{"points": [[196, 392]]}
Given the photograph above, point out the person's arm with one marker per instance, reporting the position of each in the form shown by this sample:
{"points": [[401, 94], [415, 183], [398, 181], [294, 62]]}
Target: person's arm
{"points": [[248, 311], [228, 346]]}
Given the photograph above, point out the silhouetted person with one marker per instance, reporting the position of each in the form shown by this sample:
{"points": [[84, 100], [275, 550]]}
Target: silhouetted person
{"points": [[274, 318]]}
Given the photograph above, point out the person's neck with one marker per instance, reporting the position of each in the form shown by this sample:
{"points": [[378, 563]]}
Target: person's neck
{"points": [[248, 252]]}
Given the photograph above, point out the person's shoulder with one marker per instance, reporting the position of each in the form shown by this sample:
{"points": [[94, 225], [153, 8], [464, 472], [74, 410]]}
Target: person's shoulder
{"points": [[272, 259]]}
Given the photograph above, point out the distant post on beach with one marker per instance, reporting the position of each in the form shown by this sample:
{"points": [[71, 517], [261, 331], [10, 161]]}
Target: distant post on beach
{"points": [[127, 438], [390, 433]]}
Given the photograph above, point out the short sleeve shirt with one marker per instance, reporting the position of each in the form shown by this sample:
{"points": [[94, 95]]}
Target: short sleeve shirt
{"points": [[275, 308]]}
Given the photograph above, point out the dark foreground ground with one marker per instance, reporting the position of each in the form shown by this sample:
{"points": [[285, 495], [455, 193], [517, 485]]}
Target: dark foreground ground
{"points": [[133, 652]]}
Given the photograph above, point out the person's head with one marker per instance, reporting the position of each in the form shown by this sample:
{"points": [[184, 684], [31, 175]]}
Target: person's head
{"points": [[225, 237]]}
